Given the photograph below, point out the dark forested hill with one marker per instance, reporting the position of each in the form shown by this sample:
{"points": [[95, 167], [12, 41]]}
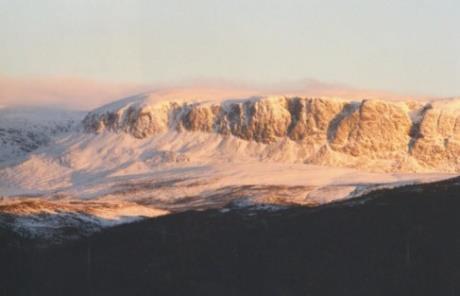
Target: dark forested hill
{"points": [[404, 241]]}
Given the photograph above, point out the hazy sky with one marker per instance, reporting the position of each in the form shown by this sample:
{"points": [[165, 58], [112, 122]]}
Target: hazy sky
{"points": [[410, 46]]}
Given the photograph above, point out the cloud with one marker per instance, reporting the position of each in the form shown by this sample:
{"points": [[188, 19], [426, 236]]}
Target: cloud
{"points": [[62, 92], [85, 94], [302, 88], [316, 88]]}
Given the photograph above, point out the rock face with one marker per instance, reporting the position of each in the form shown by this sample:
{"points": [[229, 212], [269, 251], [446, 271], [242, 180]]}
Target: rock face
{"points": [[376, 128], [438, 138], [311, 119], [140, 121], [264, 120], [404, 135]]}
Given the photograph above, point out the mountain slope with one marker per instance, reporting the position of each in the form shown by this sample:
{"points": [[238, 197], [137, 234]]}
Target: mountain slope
{"points": [[402, 241], [152, 154], [25, 129]]}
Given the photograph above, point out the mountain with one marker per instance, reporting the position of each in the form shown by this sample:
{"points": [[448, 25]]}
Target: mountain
{"points": [[372, 134], [24, 129], [166, 153]]}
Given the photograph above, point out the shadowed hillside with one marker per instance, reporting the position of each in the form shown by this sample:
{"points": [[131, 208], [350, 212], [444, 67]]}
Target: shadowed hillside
{"points": [[404, 241]]}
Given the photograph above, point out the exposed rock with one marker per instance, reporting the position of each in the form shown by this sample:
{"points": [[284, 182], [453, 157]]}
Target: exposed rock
{"points": [[403, 135], [200, 118], [311, 118], [376, 129], [438, 139], [262, 120], [141, 122]]}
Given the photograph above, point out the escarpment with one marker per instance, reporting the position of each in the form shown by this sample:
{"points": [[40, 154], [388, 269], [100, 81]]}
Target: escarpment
{"points": [[312, 118], [402, 135], [375, 128], [438, 138]]}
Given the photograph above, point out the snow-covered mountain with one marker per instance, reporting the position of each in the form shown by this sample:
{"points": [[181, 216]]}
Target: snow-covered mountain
{"points": [[24, 129], [376, 135], [158, 153]]}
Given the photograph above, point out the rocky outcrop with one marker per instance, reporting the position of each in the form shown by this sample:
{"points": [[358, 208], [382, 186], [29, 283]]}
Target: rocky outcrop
{"points": [[438, 138], [312, 118], [260, 119], [376, 129], [140, 121], [385, 131]]}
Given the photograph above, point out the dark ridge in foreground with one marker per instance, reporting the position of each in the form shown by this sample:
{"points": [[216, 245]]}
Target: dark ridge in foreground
{"points": [[404, 241]]}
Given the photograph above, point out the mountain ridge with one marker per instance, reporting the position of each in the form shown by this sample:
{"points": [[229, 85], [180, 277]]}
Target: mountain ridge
{"points": [[411, 134], [151, 155]]}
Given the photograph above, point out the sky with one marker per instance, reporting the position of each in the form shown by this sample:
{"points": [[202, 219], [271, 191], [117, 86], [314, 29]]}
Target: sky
{"points": [[405, 46]]}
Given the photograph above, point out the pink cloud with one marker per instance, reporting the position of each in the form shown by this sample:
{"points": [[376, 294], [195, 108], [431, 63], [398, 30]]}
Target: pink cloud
{"points": [[63, 92], [87, 94]]}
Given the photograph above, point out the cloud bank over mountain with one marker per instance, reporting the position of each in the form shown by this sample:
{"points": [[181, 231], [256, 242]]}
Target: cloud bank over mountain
{"points": [[86, 94], [65, 92]]}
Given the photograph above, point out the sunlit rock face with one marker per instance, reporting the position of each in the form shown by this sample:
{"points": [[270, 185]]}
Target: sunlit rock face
{"points": [[330, 131], [199, 118], [375, 129], [437, 142], [140, 121], [313, 119], [263, 120]]}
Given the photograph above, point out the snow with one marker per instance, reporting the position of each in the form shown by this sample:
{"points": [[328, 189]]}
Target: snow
{"points": [[37, 217], [448, 104], [178, 95], [88, 166], [113, 177], [24, 129]]}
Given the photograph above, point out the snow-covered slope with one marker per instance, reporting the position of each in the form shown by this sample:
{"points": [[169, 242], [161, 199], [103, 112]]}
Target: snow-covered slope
{"points": [[158, 153], [24, 129]]}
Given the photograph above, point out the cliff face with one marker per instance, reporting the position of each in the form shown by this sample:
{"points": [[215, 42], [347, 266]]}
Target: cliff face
{"points": [[369, 130], [437, 142], [375, 128], [264, 120]]}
